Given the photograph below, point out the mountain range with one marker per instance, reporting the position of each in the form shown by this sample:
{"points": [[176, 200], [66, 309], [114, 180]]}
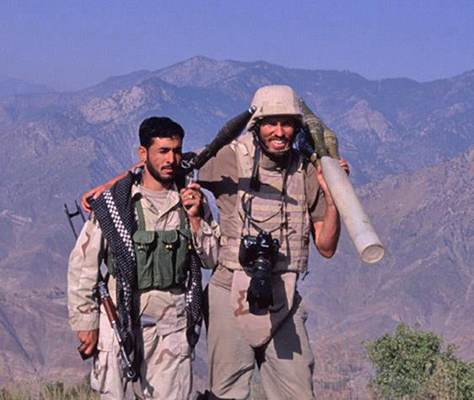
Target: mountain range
{"points": [[410, 147], [11, 86]]}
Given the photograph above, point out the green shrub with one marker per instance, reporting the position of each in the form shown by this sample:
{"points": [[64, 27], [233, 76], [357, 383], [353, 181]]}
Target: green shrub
{"points": [[411, 364]]}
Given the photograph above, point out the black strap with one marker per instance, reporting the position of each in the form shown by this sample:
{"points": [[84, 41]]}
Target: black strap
{"points": [[254, 181], [247, 198]]}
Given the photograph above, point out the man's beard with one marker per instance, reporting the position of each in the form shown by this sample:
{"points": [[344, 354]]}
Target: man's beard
{"points": [[279, 156], [157, 176]]}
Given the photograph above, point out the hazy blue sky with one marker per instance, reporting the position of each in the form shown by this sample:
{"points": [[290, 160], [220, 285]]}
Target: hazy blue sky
{"points": [[77, 43]]}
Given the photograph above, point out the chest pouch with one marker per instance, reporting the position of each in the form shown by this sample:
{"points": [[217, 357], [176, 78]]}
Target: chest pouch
{"points": [[162, 256]]}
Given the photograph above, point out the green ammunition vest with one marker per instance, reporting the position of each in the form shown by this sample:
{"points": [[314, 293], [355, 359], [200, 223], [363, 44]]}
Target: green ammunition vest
{"points": [[161, 256]]}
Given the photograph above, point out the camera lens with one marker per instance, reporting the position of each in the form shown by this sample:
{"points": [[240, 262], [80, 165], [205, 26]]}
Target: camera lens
{"points": [[260, 294], [257, 254]]}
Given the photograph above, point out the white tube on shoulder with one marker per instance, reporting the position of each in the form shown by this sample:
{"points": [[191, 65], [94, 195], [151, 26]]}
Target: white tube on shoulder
{"points": [[357, 223]]}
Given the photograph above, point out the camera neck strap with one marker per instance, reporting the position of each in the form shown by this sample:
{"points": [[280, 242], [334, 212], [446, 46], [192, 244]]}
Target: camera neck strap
{"points": [[248, 197]]}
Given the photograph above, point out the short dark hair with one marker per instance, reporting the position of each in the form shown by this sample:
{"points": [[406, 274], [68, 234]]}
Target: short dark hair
{"points": [[162, 127]]}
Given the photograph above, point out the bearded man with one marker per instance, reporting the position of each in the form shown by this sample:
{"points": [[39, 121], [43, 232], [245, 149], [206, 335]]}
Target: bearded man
{"points": [[144, 229], [268, 195]]}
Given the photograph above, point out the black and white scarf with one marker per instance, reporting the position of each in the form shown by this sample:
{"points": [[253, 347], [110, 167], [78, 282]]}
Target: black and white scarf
{"points": [[114, 211], [194, 298]]}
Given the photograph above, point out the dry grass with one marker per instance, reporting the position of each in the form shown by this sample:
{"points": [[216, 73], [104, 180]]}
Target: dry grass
{"points": [[47, 391], [340, 374]]}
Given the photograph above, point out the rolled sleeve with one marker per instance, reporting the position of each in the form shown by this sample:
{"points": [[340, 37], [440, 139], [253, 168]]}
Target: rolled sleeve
{"points": [[84, 322], [83, 268]]}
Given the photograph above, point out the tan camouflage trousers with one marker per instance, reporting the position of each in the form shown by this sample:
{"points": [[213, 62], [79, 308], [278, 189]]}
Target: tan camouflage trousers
{"points": [[166, 371], [286, 363]]}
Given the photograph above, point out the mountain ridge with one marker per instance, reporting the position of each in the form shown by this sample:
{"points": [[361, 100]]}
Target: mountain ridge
{"points": [[407, 143]]}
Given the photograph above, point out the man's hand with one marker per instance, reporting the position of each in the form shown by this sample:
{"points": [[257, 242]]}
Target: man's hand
{"points": [[96, 192], [326, 232], [191, 198], [344, 165], [88, 341]]}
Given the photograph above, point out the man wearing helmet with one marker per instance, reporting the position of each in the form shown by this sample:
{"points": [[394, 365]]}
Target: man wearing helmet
{"points": [[262, 184]]}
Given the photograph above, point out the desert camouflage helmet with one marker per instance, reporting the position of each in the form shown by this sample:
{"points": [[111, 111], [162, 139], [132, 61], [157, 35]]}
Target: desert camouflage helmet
{"points": [[275, 100]]}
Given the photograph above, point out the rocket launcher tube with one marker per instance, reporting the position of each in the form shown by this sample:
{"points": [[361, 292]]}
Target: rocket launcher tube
{"points": [[230, 131], [357, 223]]}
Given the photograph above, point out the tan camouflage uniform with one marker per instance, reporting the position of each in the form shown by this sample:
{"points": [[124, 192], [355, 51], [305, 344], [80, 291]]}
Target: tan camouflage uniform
{"points": [[166, 371], [277, 342]]}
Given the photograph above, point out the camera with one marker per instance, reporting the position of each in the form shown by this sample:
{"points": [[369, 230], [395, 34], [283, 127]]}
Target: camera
{"points": [[259, 253]]}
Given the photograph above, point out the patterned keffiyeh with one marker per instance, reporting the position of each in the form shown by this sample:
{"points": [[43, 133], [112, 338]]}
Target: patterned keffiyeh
{"points": [[114, 210], [194, 298]]}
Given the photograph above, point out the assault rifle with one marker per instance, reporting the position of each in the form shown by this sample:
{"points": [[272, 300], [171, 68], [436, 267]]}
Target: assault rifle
{"points": [[190, 168], [102, 296]]}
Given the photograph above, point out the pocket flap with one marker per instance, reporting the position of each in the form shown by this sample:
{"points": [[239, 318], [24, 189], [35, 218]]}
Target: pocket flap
{"points": [[144, 237], [168, 236], [186, 233]]}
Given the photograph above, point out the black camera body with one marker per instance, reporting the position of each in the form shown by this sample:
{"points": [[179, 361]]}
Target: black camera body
{"points": [[259, 253]]}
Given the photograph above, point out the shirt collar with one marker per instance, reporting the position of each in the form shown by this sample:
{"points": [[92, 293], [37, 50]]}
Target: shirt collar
{"points": [[171, 201]]}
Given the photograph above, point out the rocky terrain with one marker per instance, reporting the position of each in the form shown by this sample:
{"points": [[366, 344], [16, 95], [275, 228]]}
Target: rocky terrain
{"points": [[410, 148]]}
